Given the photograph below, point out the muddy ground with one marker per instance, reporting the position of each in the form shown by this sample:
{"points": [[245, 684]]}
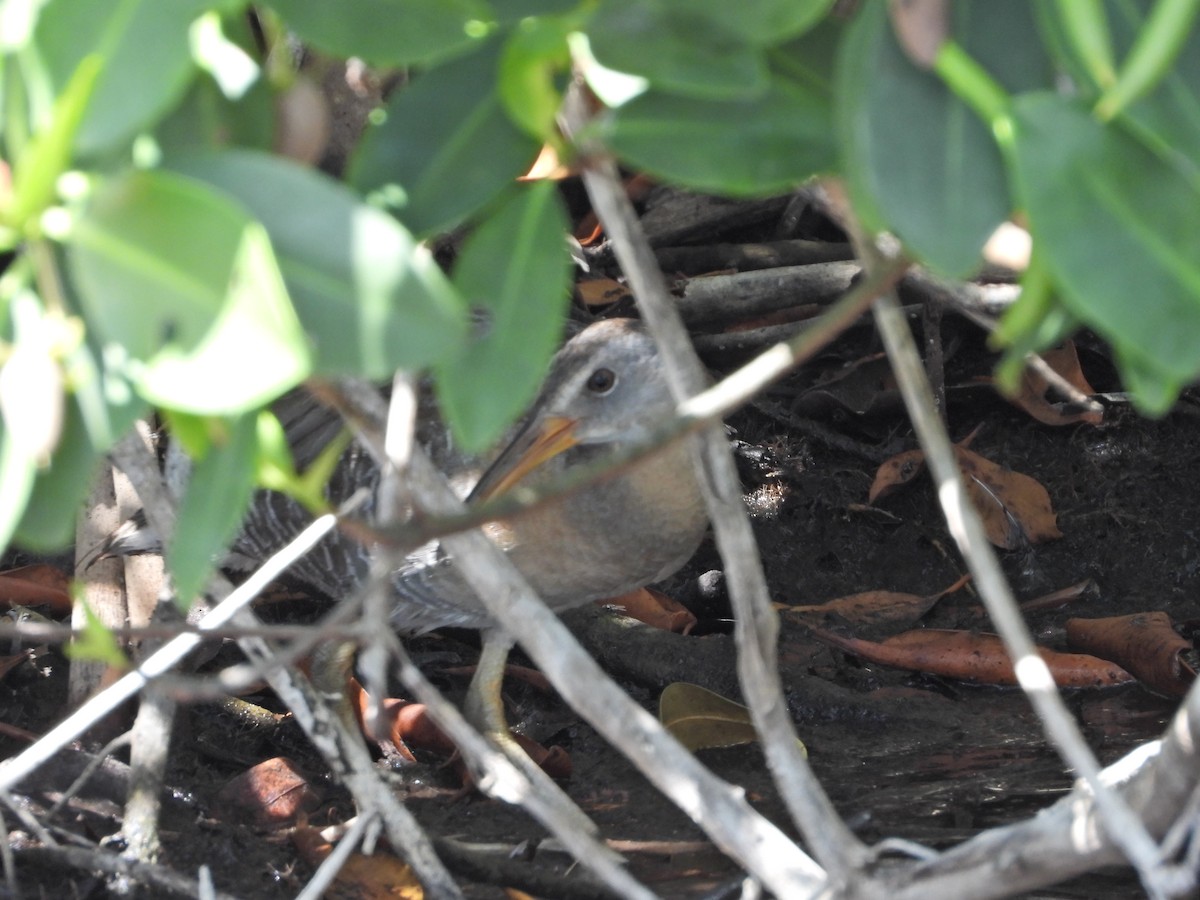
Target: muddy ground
{"points": [[902, 754]]}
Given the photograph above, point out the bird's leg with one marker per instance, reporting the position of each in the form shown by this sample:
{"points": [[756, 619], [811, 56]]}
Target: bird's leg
{"points": [[484, 706]]}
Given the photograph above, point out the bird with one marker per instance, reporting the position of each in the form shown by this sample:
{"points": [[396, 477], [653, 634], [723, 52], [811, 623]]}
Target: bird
{"points": [[605, 391]]}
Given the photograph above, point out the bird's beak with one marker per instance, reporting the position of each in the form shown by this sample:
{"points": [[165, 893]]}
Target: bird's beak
{"points": [[539, 442]]}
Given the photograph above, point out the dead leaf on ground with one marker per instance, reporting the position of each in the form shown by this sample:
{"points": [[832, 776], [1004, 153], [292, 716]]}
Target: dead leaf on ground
{"points": [[35, 586], [702, 720], [1015, 509], [895, 473], [381, 876], [272, 794], [1035, 391], [655, 608], [859, 387], [1061, 597], [874, 609], [972, 656], [407, 726], [1146, 644]]}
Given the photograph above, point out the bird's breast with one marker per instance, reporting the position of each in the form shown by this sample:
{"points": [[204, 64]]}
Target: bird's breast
{"points": [[613, 537]]}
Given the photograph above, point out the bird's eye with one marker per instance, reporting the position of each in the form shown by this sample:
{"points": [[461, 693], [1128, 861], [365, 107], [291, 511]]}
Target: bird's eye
{"points": [[601, 381]]}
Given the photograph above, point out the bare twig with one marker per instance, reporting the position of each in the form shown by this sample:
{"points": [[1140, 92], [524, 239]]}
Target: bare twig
{"points": [[15, 768], [332, 864], [838, 850], [1157, 780], [157, 879], [714, 805], [1032, 673], [495, 773]]}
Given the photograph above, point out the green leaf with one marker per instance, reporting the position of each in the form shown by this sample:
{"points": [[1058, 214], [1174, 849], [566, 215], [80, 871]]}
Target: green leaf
{"points": [[532, 59], [1004, 39], [387, 32], [516, 267], [370, 298], [747, 147], [275, 468], [918, 162], [811, 59], [1118, 228], [1036, 322], [17, 471], [762, 22], [1168, 120], [1084, 25], [185, 283], [508, 11], [99, 409], [214, 505], [446, 147], [48, 154], [146, 58], [206, 119], [17, 21], [675, 51]]}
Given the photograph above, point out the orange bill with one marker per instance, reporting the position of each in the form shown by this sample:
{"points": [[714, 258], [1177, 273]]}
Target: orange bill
{"points": [[531, 448]]}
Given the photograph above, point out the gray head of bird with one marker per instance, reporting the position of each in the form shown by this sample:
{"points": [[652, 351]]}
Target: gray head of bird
{"points": [[606, 387]]}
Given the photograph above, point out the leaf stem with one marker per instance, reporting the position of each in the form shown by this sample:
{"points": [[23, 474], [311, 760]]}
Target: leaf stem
{"points": [[1154, 50], [973, 85], [1085, 25]]}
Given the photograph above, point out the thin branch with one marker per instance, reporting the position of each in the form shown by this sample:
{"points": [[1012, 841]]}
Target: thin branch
{"points": [[1067, 839], [719, 808], [331, 865], [14, 769], [756, 624], [967, 530]]}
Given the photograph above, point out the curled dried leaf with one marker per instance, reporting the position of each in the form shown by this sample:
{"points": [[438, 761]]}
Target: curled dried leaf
{"points": [[1146, 644]]}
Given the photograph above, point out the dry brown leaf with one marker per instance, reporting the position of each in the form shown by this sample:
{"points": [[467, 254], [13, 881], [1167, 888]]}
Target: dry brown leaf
{"points": [[1144, 643], [895, 473], [1015, 508], [971, 656], [700, 719], [874, 609], [378, 877], [37, 585], [589, 231], [921, 27], [271, 794], [407, 724], [1034, 394], [1061, 597], [655, 608]]}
